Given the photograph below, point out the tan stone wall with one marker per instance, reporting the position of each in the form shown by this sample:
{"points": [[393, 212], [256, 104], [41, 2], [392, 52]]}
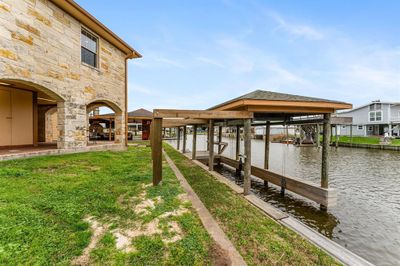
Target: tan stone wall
{"points": [[39, 43]]}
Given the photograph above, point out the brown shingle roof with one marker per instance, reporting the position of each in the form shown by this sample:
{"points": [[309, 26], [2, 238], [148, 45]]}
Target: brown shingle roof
{"points": [[141, 113], [274, 96]]}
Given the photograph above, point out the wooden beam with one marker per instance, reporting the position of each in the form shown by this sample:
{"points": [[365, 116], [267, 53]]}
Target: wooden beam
{"points": [[184, 139], [194, 145], [157, 151], [182, 122], [247, 157], [243, 103], [290, 110], [325, 155], [341, 120], [201, 114], [211, 145], [307, 189], [299, 122]]}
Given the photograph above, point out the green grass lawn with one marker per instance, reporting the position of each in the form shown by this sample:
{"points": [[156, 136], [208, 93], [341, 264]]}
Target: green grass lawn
{"points": [[259, 239], [358, 140], [395, 142], [46, 204]]}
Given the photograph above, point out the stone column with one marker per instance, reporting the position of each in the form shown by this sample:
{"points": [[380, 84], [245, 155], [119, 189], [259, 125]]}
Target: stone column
{"points": [[119, 124], [71, 125]]}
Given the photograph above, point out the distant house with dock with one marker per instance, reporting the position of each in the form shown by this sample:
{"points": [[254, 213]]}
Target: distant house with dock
{"points": [[372, 119]]}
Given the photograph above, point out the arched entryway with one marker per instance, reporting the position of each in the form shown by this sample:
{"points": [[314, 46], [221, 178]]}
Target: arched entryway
{"points": [[105, 125], [23, 108]]}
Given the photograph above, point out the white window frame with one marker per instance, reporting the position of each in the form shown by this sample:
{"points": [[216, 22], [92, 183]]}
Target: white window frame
{"points": [[360, 127], [97, 48], [374, 117]]}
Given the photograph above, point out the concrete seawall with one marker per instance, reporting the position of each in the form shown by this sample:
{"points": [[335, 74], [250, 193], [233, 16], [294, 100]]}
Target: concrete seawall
{"points": [[368, 146]]}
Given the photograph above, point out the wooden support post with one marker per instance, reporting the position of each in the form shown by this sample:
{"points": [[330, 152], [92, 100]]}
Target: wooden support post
{"points": [[247, 157], [35, 119], [184, 139], [266, 150], [208, 138], [237, 142], [336, 136], [194, 142], [318, 136], [351, 134], [325, 154], [287, 135], [219, 139], [178, 138], [211, 145], [157, 151]]}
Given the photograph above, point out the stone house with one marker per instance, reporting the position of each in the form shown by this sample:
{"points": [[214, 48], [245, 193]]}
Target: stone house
{"points": [[57, 63]]}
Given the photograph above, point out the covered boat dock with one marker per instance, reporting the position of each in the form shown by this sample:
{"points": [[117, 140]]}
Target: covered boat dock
{"points": [[253, 109]]}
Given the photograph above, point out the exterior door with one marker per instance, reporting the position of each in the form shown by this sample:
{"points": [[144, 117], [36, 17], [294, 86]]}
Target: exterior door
{"points": [[5, 118], [22, 117]]}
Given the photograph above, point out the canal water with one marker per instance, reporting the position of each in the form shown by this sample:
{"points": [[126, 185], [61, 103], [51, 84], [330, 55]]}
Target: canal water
{"points": [[366, 219]]}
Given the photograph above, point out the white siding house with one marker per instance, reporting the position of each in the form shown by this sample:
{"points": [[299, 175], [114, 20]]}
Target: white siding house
{"points": [[375, 118]]}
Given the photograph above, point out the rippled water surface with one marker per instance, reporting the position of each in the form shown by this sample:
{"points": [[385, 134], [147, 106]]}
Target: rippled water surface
{"points": [[366, 219]]}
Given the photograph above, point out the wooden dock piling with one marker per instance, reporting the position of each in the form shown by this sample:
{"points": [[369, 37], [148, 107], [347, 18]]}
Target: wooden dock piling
{"points": [[194, 145], [266, 150], [178, 138], [157, 150], [237, 142], [184, 139], [325, 154], [211, 145], [247, 157]]}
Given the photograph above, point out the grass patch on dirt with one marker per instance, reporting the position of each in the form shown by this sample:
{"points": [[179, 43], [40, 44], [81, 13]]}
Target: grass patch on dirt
{"points": [[259, 239], [52, 207]]}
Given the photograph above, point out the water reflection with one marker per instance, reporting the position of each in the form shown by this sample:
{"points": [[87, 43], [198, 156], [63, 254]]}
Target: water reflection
{"points": [[304, 209]]}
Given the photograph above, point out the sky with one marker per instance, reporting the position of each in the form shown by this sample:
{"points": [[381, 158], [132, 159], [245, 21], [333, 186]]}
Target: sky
{"points": [[198, 53]]}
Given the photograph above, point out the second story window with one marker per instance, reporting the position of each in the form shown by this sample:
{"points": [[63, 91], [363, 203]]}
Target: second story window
{"points": [[89, 44], [375, 116], [375, 107]]}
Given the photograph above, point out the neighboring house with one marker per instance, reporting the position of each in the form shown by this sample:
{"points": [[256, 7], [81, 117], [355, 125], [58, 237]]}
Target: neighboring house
{"points": [[57, 62], [375, 118]]}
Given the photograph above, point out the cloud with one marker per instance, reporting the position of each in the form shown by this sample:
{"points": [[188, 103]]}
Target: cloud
{"points": [[300, 30], [135, 88], [209, 61], [153, 60]]}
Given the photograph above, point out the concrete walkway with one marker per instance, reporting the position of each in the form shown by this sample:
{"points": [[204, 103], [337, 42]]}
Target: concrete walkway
{"points": [[206, 218]]}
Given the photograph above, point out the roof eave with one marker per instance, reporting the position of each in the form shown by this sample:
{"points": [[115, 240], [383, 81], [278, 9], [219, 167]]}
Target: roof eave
{"points": [[84, 17]]}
